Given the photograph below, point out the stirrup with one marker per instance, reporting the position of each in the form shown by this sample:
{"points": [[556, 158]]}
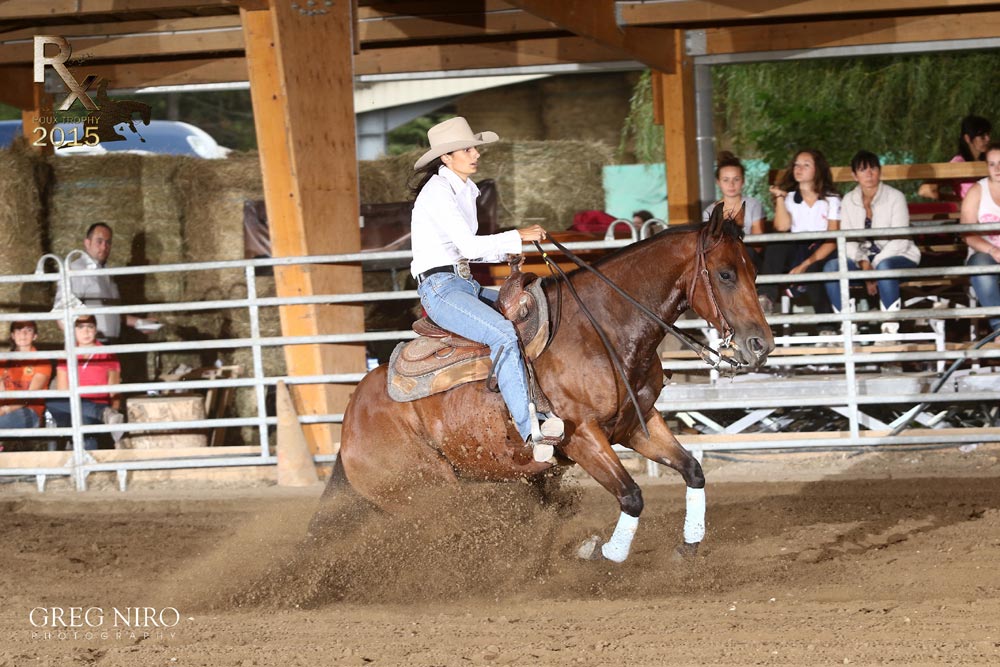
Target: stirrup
{"points": [[545, 437]]}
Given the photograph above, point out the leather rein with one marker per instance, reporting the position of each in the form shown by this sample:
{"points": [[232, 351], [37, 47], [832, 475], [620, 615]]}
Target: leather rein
{"points": [[701, 276]]}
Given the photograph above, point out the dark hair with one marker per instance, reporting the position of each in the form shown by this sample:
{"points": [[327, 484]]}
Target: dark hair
{"points": [[822, 182], [643, 215], [20, 324], [90, 230], [727, 159], [422, 175], [865, 160], [973, 126], [85, 319]]}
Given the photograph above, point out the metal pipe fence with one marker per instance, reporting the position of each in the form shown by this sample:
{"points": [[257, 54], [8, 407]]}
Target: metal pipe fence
{"points": [[845, 396]]}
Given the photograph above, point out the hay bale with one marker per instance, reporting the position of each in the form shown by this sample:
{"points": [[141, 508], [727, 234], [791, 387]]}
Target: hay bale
{"points": [[513, 112], [211, 194], [20, 229], [589, 107], [546, 182], [137, 196], [543, 182]]}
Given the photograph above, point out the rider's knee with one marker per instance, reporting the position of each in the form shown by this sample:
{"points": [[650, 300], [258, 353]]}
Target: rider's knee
{"points": [[631, 503]]}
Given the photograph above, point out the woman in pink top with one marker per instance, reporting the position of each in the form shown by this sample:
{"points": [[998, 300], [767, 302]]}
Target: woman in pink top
{"points": [[94, 368], [973, 138], [983, 205]]}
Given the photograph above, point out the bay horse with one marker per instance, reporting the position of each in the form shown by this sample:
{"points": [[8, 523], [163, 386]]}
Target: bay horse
{"points": [[390, 450]]}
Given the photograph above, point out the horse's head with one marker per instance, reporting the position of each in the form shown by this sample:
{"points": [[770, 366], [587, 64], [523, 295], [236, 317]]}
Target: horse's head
{"points": [[722, 289]]}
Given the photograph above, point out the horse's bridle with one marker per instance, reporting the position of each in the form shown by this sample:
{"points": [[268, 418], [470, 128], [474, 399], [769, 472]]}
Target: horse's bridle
{"points": [[702, 275], [705, 352]]}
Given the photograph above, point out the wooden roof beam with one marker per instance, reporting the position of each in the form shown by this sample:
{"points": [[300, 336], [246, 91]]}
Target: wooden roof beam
{"points": [[133, 39], [521, 53], [33, 9], [473, 19], [858, 32], [184, 72], [689, 13], [597, 20]]}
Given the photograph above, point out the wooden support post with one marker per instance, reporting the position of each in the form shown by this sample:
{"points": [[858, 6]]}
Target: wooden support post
{"points": [[39, 115], [676, 92], [301, 84], [19, 90]]}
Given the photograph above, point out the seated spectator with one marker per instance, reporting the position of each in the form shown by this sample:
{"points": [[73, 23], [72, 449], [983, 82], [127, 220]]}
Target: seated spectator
{"points": [[23, 375], [805, 201], [730, 176], [874, 205], [94, 368], [973, 137], [639, 218], [982, 204]]}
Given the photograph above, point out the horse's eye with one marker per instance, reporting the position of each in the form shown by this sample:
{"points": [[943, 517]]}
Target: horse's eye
{"points": [[726, 276]]}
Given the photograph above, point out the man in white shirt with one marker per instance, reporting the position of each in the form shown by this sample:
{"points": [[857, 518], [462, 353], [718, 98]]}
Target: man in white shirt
{"points": [[99, 290]]}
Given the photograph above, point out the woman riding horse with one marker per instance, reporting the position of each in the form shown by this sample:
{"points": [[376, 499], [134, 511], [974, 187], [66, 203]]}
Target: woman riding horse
{"points": [[443, 229], [392, 451]]}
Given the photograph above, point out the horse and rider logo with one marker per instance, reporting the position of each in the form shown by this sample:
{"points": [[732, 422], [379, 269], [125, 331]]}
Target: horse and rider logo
{"points": [[106, 113]]}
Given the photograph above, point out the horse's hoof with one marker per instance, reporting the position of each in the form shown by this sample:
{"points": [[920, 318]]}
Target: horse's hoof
{"points": [[588, 550], [686, 550]]}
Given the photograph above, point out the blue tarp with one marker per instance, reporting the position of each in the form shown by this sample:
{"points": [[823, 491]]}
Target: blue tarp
{"points": [[631, 187]]}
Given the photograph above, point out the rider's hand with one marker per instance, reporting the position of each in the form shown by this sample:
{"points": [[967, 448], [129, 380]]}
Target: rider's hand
{"points": [[533, 233]]}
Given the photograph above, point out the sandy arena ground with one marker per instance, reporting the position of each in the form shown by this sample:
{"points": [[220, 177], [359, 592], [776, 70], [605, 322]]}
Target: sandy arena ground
{"points": [[882, 558]]}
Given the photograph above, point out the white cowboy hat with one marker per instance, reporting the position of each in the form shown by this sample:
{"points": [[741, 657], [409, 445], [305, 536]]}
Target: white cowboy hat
{"points": [[452, 135]]}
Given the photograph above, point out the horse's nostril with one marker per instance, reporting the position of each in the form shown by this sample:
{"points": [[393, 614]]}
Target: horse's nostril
{"points": [[756, 346]]}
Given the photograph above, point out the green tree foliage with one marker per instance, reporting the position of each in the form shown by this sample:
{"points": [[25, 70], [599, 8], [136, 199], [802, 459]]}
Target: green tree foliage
{"points": [[413, 134], [908, 107], [645, 137]]}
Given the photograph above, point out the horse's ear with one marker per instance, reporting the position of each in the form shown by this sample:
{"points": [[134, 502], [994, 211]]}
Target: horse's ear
{"points": [[741, 216], [716, 219]]}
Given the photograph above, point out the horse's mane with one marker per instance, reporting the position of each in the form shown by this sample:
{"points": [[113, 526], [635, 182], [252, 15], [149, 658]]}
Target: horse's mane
{"points": [[729, 228]]}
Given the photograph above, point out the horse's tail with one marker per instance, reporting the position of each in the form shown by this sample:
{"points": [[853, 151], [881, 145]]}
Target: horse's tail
{"points": [[338, 503]]}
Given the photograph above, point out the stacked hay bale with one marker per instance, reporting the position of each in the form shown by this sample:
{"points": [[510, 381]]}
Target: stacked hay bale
{"points": [[539, 182], [513, 112], [211, 195], [588, 108], [135, 196], [22, 177]]}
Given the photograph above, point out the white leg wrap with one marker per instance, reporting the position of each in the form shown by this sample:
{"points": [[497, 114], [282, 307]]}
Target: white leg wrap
{"points": [[617, 547], [694, 518]]}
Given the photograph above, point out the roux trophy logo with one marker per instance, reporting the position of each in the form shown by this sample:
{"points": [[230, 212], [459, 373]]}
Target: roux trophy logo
{"points": [[104, 114]]}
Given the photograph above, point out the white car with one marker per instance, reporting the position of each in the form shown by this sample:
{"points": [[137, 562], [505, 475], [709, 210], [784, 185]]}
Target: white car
{"points": [[160, 137]]}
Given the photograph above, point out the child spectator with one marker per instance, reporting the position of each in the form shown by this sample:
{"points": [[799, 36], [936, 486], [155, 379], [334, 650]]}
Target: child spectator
{"points": [[23, 375], [94, 369]]}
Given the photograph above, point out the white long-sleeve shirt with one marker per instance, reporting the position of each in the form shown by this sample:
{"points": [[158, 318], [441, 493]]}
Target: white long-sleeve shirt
{"points": [[443, 226], [94, 291]]}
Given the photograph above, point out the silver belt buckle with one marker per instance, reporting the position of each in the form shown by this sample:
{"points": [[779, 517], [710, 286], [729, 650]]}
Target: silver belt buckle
{"points": [[462, 269]]}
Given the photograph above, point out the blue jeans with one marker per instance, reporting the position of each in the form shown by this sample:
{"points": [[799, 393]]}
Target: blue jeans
{"points": [[23, 417], [462, 306], [987, 288], [888, 288], [91, 412]]}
